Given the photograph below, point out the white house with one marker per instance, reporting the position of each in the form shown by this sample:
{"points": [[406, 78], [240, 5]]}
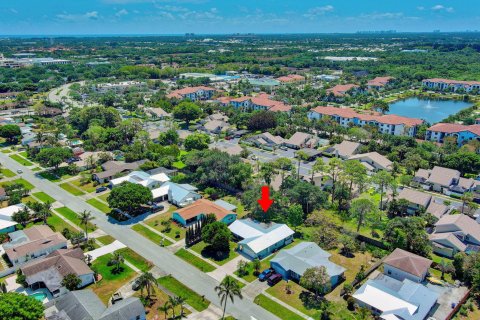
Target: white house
{"points": [[142, 178], [6, 222], [258, 240], [180, 195]]}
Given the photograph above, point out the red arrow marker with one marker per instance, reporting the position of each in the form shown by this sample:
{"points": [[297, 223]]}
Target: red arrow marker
{"points": [[265, 201]]}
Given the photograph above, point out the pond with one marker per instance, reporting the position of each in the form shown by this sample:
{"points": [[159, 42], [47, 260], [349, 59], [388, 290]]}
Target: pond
{"points": [[432, 111]]}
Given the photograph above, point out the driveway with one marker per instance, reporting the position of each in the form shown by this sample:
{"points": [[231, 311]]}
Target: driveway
{"points": [[161, 257], [114, 246], [448, 295]]}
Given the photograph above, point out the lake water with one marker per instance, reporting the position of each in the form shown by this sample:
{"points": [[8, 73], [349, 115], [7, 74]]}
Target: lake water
{"points": [[431, 111]]}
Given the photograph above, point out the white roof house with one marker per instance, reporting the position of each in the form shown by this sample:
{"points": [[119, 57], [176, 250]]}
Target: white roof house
{"points": [[391, 299], [142, 178], [6, 221], [178, 194], [259, 239]]}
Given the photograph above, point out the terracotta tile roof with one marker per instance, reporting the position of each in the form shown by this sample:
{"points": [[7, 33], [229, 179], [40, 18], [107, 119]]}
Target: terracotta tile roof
{"points": [[203, 206], [264, 100], [181, 92], [379, 81], [341, 89], [386, 119], [455, 128], [408, 262]]}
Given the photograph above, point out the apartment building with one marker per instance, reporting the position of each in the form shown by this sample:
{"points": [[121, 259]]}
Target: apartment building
{"points": [[454, 85]]}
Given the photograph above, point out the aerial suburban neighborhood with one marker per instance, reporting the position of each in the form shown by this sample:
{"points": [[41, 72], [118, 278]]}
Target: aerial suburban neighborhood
{"points": [[164, 160]]}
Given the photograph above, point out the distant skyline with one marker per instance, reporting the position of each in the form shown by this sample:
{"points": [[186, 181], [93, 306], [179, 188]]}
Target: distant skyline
{"points": [[94, 17]]}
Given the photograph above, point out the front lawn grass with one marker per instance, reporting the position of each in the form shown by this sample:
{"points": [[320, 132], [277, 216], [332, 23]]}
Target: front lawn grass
{"points": [[49, 176], [111, 281], [88, 187], [23, 154], [71, 189], [27, 185], [99, 205], [275, 308], [156, 223], [42, 196], [106, 240], [137, 260], [58, 224], [21, 160], [75, 218], [8, 173], [6, 150], [250, 272], [176, 287], [194, 260], [203, 249], [104, 197], [150, 235], [28, 199]]}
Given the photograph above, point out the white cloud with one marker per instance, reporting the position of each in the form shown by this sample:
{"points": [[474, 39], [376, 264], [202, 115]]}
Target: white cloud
{"points": [[440, 7], [122, 12], [318, 11], [91, 15]]}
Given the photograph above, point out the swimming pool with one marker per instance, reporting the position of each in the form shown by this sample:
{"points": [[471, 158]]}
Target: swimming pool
{"points": [[40, 296]]}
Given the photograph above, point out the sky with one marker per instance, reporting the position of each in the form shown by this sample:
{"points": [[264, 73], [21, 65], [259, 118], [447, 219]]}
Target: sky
{"points": [[90, 17]]}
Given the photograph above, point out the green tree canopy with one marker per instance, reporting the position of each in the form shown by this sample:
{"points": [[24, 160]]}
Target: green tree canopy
{"points": [[197, 141], [53, 157], [129, 197], [11, 132], [217, 235], [17, 306], [187, 111]]}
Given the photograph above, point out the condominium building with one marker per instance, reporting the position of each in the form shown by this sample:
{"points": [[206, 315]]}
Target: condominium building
{"points": [[462, 133], [446, 84]]}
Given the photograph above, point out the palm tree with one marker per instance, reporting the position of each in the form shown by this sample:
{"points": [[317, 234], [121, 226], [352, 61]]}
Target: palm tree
{"points": [[181, 302], [147, 281], [173, 303], [117, 260], [256, 266], [85, 218], [164, 309], [228, 289]]}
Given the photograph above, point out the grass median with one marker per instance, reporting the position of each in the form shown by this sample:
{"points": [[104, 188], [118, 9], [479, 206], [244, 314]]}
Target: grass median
{"points": [[194, 260], [194, 300]]}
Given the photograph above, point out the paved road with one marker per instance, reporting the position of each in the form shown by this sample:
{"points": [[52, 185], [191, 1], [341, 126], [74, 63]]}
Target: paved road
{"points": [[60, 94], [163, 258]]}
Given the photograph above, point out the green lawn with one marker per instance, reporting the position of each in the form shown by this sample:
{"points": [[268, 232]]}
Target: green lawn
{"points": [[275, 308], [150, 235], [42, 196], [106, 240], [99, 205], [68, 187], [156, 223], [73, 217], [202, 249], [49, 176], [27, 185], [8, 173], [137, 260], [89, 187], [176, 287], [104, 197], [194, 260], [22, 161], [28, 199], [6, 150], [23, 154], [111, 281], [250, 276], [36, 169], [58, 224]]}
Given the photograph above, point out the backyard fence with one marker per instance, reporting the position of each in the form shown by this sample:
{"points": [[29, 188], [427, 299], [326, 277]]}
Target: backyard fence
{"points": [[458, 306]]}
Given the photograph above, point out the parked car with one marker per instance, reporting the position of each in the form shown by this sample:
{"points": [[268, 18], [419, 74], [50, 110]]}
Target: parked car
{"points": [[274, 279], [101, 189], [136, 285], [254, 157], [283, 148], [265, 274], [19, 171], [157, 207]]}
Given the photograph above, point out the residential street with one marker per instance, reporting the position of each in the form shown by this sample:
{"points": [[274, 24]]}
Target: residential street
{"points": [[163, 258]]}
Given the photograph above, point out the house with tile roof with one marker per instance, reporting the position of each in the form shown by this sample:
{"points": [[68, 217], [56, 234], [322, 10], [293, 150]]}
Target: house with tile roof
{"points": [[455, 233], [292, 263], [386, 124], [258, 240], [33, 242], [401, 265], [200, 209], [374, 160], [448, 84], [341, 90], [263, 102], [193, 93], [417, 200], [291, 78], [49, 272], [379, 83], [460, 132]]}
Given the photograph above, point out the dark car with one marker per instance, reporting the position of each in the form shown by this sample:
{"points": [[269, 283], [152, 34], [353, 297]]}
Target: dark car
{"points": [[101, 189], [136, 285], [265, 274], [158, 207], [274, 279]]}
